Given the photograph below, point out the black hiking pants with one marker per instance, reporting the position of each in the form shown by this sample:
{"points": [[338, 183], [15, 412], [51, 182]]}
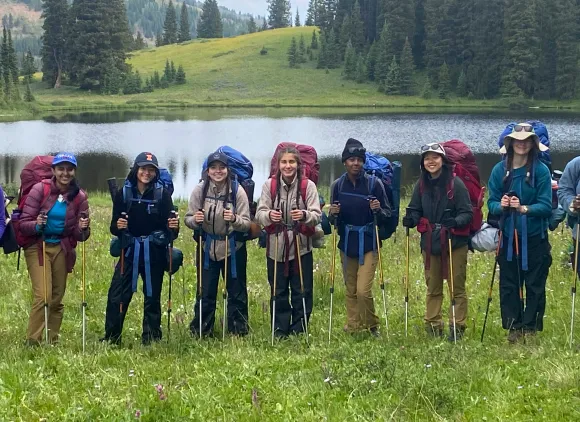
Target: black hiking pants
{"points": [[289, 317], [237, 319], [533, 283], [121, 293]]}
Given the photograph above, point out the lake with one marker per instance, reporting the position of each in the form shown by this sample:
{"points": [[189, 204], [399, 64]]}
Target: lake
{"points": [[106, 143]]}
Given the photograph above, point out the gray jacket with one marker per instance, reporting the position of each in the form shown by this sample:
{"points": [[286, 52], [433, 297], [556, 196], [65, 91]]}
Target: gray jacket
{"points": [[568, 188]]}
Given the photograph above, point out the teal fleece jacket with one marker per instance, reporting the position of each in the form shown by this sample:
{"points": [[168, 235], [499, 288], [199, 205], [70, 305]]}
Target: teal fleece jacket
{"points": [[537, 196]]}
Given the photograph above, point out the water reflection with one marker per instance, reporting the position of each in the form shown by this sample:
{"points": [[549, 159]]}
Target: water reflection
{"points": [[107, 143]]}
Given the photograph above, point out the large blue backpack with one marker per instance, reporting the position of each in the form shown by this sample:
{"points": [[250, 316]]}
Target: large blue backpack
{"points": [[541, 130], [389, 173]]}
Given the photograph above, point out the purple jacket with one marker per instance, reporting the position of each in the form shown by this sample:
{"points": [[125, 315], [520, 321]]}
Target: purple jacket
{"points": [[36, 202]]}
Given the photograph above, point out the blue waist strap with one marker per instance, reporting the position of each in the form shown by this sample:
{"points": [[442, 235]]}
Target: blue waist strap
{"points": [[147, 260], [232, 248], [361, 239], [523, 236]]}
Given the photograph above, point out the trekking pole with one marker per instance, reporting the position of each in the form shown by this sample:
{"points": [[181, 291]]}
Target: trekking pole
{"points": [[575, 268], [407, 276], [199, 277], [452, 292], [172, 214], [299, 257], [124, 216], [274, 283], [225, 289], [519, 274], [489, 295], [45, 281], [332, 275], [381, 269], [84, 283]]}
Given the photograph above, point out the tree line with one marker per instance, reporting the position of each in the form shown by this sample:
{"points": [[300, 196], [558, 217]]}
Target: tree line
{"points": [[474, 48]]}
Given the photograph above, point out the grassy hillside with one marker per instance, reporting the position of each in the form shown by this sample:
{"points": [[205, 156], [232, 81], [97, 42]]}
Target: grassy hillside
{"points": [[231, 71]]}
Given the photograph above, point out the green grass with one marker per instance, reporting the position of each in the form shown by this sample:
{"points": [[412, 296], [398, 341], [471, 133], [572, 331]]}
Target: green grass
{"points": [[353, 378], [231, 72]]}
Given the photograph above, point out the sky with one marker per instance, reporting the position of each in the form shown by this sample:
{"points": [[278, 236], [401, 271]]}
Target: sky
{"points": [[259, 7]]}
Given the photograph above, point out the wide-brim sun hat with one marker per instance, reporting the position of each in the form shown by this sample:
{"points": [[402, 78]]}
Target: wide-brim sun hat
{"points": [[522, 132]]}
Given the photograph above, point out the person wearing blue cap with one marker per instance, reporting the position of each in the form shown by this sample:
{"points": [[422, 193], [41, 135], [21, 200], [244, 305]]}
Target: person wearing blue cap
{"points": [[56, 215]]}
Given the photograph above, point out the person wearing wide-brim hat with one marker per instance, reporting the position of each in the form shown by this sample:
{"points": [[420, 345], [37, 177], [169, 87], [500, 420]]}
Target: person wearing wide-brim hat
{"points": [[440, 208], [520, 195], [143, 222], [56, 214]]}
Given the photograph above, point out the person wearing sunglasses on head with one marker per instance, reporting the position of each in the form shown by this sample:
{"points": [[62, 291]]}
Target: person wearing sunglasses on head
{"points": [[440, 208], [356, 202], [520, 195]]}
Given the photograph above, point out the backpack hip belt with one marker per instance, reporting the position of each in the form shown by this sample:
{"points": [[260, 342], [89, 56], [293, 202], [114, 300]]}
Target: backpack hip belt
{"points": [[361, 239], [137, 241], [426, 227]]}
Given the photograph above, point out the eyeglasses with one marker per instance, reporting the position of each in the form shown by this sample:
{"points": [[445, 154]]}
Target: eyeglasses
{"points": [[432, 147], [356, 150], [523, 128]]}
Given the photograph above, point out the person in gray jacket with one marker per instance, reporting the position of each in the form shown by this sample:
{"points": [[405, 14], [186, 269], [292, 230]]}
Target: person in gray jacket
{"points": [[569, 195]]}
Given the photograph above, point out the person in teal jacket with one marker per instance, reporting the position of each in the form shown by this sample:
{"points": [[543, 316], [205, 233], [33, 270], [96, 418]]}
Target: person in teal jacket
{"points": [[520, 195]]}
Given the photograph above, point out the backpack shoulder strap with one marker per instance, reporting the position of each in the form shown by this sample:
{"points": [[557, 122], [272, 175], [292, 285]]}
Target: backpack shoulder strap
{"points": [[158, 194], [273, 189], [127, 195], [235, 186], [304, 189]]}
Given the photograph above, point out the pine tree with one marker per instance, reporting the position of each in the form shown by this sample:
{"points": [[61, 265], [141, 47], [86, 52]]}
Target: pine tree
{"points": [[158, 40], [350, 62], [323, 54], [170, 25], [393, 80], [28, 97], [444, 81], [400, 18], [297, 19], [427, 91], [55, 14], [12, 59], [278, 13], [180, 76], [28, 67], [361, 69], [173, 72], [567, 50], [140, 43], [357, 35], [252, 25], [5, 59], [184, 33], [156, 80], [407, 69], [419, 34], [167, 71], [314, 42], [301, 50], [210, 24], [384, 55], [333, 54], [344, 37], [461, 89], [312, 13], [293, 54]]}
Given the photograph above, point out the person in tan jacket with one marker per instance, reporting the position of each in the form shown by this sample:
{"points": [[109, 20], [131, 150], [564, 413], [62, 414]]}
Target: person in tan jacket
{"points": [[293, 210], [216, 212]]}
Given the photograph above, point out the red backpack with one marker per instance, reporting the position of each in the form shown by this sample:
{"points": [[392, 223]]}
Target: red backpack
{"points": [[37, 170], [310, 170], [465, 167]]}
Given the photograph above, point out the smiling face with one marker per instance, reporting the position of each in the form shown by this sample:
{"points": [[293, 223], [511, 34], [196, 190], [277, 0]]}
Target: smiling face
{"points": [[522, 147], [64, 173], [146, 174], [353, 166], [288, 165], [217, 172], [433, 162]]}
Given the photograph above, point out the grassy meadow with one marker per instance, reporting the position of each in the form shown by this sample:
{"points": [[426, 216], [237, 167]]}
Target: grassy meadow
{"points": [[352, 378], [231, 72]]}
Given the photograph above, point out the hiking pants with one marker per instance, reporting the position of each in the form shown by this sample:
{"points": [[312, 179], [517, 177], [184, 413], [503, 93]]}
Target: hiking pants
{"points": [[289, 317], [56, 276], [121, 293], [533, 280], [434, 280], [358, 279], [237, 319]]}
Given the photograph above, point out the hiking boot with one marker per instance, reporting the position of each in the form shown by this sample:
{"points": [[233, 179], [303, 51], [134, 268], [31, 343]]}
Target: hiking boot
{"points": [[530, 332], [111, 340], [375, 332], [434, 331], [32, 343], [459, 333], [514, 336]]}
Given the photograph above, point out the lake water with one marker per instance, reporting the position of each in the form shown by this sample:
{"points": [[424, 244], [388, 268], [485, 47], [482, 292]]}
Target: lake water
{"points": [[107, 143]]}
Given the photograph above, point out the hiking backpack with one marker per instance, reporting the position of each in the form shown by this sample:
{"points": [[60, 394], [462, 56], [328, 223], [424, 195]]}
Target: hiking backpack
{"points": [[465, 167], [541, 130], [389, 173]]}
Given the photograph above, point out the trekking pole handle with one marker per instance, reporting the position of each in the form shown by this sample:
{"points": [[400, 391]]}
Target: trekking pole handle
{"points": [[43, 225]]}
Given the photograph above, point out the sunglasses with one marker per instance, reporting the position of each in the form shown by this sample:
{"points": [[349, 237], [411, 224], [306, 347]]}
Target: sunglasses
{"points": [[432, 147], [523, 128], [356, 150]]}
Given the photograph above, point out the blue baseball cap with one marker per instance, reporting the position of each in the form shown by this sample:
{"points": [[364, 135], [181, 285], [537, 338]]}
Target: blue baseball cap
{"points": [[64, 157]]}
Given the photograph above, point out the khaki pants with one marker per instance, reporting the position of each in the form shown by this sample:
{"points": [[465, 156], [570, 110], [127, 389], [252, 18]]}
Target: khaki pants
{"points": [[56, 275], [360, 307], [435, 290]]}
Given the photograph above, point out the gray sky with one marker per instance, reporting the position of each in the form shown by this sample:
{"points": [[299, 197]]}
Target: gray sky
{"points": [[258, 7]]}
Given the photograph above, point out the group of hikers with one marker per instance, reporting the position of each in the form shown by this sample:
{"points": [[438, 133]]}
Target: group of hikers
{"points": [[54, 216]]}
